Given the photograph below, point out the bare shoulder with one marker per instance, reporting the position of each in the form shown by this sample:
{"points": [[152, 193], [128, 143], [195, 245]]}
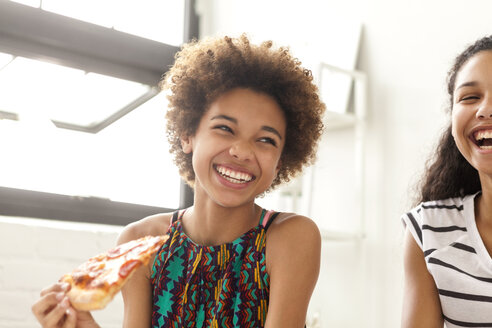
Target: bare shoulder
{"points": [[289, 225], [153, 225], [291, 235]]}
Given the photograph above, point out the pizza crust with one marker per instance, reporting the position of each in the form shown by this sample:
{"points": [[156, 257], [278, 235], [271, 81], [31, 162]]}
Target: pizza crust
{"points": [[84, 299], [95, 283], [88, 300]]}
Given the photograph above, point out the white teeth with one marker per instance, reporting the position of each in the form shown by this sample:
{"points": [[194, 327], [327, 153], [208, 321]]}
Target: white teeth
{"points": [[233, 176], [483, 134], [482, 138]]}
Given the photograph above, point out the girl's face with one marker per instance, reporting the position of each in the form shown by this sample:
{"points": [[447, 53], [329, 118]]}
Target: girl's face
{"points": [[472, 111], [237, 146]]}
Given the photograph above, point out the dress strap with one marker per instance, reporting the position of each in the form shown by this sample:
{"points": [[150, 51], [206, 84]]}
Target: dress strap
{"points": [[175, 217], [268, 217]]}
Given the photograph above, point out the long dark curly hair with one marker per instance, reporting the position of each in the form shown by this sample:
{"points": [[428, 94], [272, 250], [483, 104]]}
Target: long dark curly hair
{"points": [[206, 69], [448, 173]]}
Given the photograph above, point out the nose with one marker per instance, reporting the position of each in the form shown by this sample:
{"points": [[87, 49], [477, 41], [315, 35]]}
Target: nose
{"points": [[241, 150], [485, 110]]}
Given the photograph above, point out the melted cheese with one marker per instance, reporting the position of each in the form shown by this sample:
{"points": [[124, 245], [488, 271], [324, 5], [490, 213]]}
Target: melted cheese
{"points": [[105, 269]]}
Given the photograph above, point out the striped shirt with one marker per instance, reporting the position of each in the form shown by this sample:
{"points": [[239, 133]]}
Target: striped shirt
{"points": [[457, 259]]}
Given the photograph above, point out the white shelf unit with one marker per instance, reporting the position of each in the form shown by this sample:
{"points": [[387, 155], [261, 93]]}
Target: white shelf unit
{"points": [[356, 120], [297, 196]]}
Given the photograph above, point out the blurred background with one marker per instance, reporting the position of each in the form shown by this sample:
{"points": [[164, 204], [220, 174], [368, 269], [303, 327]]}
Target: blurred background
{"points": [[83, 148]]}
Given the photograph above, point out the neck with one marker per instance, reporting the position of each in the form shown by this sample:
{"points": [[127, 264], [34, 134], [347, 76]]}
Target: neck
{"points": [[208, 223]]}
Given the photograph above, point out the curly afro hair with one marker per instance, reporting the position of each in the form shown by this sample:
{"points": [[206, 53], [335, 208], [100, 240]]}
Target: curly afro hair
{"points": [[206, 69]]}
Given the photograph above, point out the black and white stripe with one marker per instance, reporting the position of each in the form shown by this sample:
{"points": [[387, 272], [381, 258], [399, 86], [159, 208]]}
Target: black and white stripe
{"points": [[458, 323], [456, 258]]}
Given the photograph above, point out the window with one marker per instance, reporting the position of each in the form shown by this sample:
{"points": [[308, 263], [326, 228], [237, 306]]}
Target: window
{"points": [[82, 124]]}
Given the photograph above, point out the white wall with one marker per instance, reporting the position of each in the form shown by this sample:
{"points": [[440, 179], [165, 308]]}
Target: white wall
{"points": [[35, 253], [406, 50]]}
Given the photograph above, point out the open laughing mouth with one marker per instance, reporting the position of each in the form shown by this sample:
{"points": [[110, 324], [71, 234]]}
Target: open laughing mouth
{"points": [[233, 176], [483, 139]]}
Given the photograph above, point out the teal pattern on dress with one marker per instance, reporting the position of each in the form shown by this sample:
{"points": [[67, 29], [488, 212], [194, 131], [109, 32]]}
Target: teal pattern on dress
{"points": [[211, 286]]}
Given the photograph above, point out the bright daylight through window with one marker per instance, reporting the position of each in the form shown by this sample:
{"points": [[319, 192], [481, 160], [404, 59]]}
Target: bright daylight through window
{"points": [[72, 124]]}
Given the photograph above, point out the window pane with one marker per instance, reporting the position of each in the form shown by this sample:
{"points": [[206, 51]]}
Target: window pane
{"points": [[128, 161], [91, 99], [159, 20], [164, 19], [5, 59], [32, 3], [100, 12], [63, 94], [32, 87]]}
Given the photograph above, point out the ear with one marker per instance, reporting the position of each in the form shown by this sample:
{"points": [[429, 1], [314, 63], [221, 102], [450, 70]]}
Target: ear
{"points": [[186, 144]]}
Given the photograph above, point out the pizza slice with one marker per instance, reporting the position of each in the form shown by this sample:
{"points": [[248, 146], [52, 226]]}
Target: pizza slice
{"points": [[95, 282]]}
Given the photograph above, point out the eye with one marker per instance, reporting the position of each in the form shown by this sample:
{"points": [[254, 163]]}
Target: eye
{"points": [[223, 128], [468, 99], [268, 140]]}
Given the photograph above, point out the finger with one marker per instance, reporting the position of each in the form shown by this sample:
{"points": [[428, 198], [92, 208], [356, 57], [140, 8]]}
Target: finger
{"points": [[45, 304], [53, 318], [58, 287], [71, 318]]}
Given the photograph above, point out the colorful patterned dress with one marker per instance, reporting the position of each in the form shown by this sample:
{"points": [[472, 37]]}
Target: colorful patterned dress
{"points": [[211, 286]]}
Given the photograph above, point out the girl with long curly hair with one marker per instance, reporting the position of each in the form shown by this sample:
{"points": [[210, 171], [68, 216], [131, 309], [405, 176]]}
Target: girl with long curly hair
{"points": [[448, 241]]}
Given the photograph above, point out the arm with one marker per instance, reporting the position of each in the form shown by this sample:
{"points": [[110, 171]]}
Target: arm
{"points": [[293, 258], [421, 305], [137, 292]]}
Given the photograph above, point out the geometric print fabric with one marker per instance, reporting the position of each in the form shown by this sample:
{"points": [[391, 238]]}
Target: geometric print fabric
{"points": [[211, 286]]}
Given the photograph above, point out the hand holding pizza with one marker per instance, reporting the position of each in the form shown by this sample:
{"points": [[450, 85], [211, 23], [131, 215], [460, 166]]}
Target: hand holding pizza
{"points": [[93, 284], [53, 309]]}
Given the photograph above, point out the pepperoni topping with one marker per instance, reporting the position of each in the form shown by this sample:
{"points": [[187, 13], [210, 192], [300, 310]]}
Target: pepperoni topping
{"points": [[120, 250], [136, 247], [117, 264], [128, 267], [81, 278], [126, 248]]}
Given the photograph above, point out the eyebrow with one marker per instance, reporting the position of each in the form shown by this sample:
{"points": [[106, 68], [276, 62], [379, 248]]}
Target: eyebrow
{"points": [[224, 117], [467, 84], [272, 130], [233, 120]]}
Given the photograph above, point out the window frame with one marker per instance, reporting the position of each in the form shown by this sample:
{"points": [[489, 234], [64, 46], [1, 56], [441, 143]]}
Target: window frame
{"points": [[33, 33]]}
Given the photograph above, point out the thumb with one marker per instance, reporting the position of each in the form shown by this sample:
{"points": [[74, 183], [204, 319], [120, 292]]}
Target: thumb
{"points": [[71, 319]]}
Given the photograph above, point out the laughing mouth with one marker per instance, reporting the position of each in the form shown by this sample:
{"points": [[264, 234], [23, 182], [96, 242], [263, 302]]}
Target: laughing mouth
{"points": [[234, 176], [483, 139]]}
